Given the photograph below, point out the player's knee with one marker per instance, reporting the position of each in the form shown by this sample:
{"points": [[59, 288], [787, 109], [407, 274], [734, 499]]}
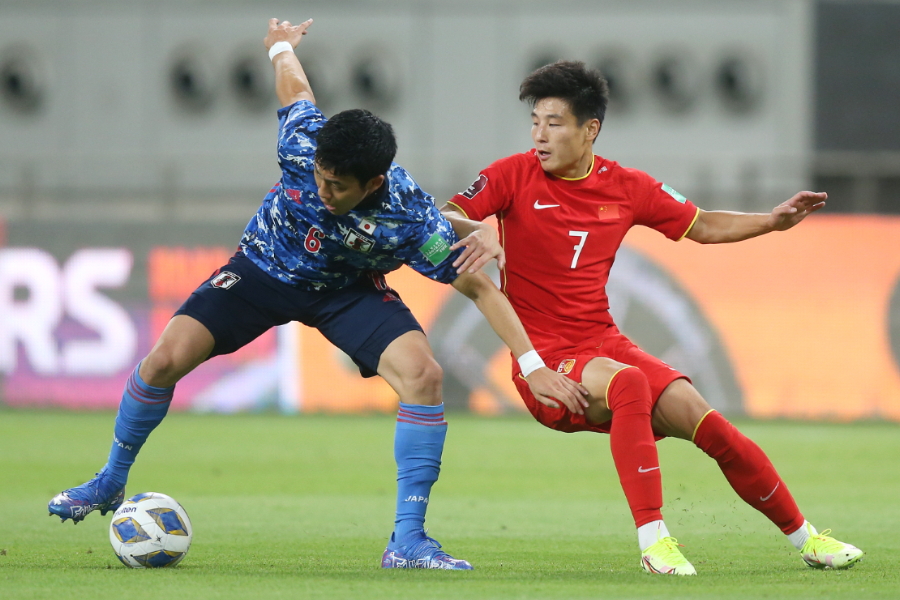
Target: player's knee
{"points": [[596, 402], [681, 410], [422, 382], [159, 368]]}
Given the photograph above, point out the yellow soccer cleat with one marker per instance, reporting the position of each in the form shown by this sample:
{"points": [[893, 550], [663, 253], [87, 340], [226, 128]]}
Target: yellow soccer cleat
{"points": [[823, 552], [664, 558]]}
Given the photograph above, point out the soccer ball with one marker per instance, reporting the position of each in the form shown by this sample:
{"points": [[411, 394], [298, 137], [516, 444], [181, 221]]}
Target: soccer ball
{"points": [[150, 530]]}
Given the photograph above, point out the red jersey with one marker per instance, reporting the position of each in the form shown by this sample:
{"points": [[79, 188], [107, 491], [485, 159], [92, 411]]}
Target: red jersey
{"points": [[561, 237]]}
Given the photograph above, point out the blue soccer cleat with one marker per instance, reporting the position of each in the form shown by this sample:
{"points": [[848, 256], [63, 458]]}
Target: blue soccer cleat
{"points": [[78, 502], [420, 553]]}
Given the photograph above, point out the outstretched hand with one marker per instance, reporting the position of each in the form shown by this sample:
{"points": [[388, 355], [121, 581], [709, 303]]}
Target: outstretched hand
{"points": [[481, 246], [285, 32], [550, 388], [789, 213]]}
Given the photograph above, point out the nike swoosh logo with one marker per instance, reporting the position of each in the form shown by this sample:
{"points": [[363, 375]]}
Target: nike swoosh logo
{"points": [[539, 206], [643, 470], [770, 495]]}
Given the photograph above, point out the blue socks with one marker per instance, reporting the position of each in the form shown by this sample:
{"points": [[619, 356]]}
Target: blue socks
{"points": [[418, 444], [141, 410]]}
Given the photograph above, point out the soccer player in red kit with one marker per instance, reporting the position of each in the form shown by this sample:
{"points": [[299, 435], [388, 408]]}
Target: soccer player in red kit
{"points": [[563, 213]]}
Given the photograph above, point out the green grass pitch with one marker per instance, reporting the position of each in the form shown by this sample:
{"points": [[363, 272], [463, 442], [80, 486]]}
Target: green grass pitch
{"points": [[301, 507]]}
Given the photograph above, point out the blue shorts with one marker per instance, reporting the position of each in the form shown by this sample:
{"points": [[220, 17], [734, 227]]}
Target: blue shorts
{"points": [[240, 302]]}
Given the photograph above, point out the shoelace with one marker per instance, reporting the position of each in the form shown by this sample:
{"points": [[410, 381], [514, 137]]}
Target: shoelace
{"points": [[99, 494], [825, 543], [670, 553], [96, 486], [427, 544]]}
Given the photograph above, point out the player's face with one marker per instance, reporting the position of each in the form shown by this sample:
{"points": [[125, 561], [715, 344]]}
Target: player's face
{"points": [[342, 193], [563, 146]]}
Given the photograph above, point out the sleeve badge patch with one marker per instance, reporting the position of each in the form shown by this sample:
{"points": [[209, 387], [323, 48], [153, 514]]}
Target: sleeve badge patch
{"points": [[674, 194], [436, 249], [476, 187]]}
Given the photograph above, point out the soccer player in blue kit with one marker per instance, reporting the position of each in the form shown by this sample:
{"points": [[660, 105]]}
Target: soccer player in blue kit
{"points": [[342, 215]]}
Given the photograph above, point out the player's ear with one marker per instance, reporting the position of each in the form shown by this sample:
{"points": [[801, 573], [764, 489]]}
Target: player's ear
{"points": [[593, 129], [373, 184]]}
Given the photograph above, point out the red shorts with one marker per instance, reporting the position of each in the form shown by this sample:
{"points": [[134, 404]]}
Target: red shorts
{"points": [[572, 362]]}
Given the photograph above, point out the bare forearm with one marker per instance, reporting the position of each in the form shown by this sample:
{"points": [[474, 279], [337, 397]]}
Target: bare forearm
{"points": [[722, 227], [479, 239], [496, 308], [291, 83], [505, 323], [461, 225]]}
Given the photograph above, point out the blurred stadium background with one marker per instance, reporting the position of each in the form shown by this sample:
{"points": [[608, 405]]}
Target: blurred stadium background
{"points": [[137, 139]]}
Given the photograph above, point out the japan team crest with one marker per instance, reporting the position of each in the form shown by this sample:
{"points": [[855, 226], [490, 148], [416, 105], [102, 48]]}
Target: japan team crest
{"points": [[357, 241], [224, 280]]}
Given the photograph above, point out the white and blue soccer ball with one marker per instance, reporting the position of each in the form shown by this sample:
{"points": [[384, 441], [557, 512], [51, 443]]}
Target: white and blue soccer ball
{"points": [[150, 530]]}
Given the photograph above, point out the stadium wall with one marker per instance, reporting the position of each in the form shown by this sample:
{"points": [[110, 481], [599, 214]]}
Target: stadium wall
{"points": [[125, 103]]}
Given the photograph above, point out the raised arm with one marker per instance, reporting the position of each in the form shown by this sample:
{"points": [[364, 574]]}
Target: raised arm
{"points": [[545, 384], [291, 84], [721, 227], [480, 240]]}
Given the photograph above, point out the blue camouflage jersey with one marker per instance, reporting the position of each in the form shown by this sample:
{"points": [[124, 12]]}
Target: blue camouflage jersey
{"points": [[295, 239]]}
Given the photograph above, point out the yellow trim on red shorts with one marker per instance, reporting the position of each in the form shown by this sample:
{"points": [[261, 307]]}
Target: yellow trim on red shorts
{"points": [[693, 435]]}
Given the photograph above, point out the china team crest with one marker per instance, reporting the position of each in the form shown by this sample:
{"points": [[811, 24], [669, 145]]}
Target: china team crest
{"points": [[566, 366]]}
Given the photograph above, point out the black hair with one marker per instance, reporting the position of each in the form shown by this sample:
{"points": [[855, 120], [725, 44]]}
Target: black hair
{"points": [[356, 142], [584, 90]]}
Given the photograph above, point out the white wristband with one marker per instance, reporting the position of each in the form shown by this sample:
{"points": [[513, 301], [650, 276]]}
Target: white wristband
{"points": [[530, 362], [278, 48]]}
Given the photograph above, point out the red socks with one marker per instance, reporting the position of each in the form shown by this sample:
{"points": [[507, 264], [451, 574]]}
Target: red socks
{"points": [[744, 464], [632, 444], [748, 470]]}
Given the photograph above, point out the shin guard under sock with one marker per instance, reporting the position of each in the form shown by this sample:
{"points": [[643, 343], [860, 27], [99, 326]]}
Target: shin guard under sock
{"points": [[748, 470], [418, 445], [142, 408], [632, 444]]}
